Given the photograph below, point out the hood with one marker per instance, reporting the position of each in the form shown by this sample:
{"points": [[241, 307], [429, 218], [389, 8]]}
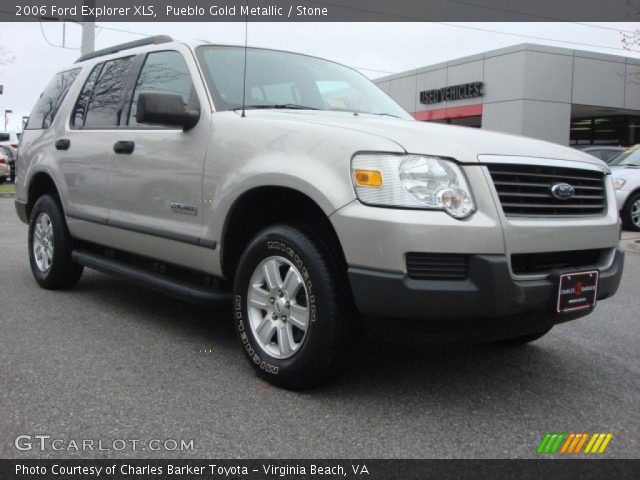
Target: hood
{"points": [[428, 138]]}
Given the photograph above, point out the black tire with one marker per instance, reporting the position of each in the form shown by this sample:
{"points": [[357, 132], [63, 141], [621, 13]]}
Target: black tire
{"points": [[323, 353], [2, 180], [63, 272], [524, 339], [626, 213]]}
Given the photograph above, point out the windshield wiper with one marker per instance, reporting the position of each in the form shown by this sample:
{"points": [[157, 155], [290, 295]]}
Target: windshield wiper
{"points": [[287, 106]]}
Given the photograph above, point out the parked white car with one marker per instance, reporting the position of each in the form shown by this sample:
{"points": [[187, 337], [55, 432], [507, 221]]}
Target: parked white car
{"points": [[5, 170], [626, 177]]}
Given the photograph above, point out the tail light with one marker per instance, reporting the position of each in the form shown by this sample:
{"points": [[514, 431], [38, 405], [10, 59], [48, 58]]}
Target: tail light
{"points": [[15, 145], [3, 160]]}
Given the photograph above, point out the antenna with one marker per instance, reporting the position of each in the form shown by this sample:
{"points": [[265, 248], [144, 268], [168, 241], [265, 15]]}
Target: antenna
{"points": [[244, 79]]}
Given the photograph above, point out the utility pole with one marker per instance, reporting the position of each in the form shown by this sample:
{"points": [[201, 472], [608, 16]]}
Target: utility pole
{"points": [[88, 37], [88, 30]]}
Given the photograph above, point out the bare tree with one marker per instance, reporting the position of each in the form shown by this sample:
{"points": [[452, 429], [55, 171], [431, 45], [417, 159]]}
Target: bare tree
{"points": [[631, 40], [6, 57]]}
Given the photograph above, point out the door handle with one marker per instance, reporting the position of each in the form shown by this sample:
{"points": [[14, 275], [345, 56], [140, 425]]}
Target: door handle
{"points": [[63, 144], [124, 146]]}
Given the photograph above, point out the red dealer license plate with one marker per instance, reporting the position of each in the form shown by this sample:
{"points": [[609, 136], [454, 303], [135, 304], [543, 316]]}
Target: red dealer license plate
{"points": [[577, 291]]}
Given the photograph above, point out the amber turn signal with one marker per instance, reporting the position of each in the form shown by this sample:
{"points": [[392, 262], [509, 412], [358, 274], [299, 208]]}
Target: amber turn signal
{"points": [[368, 178]]}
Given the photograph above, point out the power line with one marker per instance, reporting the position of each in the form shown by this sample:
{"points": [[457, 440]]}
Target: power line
{"points": [[534, 15], [44, 35], [534, 37], [124, 31]]}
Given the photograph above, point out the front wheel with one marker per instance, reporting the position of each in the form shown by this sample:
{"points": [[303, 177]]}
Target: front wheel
{"points": [[293, 308], [50, 246], [631, 213]]}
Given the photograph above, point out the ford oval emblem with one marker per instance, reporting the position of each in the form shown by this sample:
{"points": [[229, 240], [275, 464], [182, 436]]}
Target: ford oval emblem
{"points": [[562, 191]]}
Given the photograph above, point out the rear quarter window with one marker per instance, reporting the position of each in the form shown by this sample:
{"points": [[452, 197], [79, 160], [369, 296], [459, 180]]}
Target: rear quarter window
{"points": [[49, 102]]}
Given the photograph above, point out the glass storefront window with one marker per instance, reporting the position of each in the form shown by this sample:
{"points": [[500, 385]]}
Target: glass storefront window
{"points": [[610, 130]]}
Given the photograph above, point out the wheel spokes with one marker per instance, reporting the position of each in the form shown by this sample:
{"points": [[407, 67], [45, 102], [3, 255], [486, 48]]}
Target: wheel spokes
{"points": [[635, 213], [285, 339], [42, 240], [265, 330], [292, 283], [278, 307], [299, 317], [259, 298], [272, 274]]}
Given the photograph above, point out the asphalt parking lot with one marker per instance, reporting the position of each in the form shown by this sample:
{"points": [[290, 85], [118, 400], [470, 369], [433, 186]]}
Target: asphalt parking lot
{"points": [[108, 360]]}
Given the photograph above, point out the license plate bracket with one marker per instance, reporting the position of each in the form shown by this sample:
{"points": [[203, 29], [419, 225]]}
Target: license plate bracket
{"points": [[577, 291]]}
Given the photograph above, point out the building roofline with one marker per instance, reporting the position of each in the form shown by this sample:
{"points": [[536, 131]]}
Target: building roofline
{"points": [[532, 47]]}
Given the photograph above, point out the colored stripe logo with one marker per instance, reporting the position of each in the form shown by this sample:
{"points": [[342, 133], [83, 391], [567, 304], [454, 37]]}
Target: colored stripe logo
{"points": [[573, 443]]}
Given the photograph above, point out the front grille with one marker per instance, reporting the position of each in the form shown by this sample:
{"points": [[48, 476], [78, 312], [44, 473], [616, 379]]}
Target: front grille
{"points": [[437, 266], [536, 263], [525, 190]]}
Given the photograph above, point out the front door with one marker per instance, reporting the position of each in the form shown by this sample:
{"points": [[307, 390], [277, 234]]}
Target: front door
{"points": [[155, 171]]}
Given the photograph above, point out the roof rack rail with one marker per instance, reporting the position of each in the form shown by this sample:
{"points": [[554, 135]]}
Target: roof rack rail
{"points": [[126, 46]]}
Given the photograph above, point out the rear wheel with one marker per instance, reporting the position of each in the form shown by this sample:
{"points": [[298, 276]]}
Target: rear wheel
{"points": [[293, 308], [631, 213], [524, 339], [50, 246]]}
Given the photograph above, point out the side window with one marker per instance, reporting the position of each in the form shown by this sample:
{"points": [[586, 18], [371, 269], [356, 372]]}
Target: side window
{"points": [[163, 72], [49, 102], [105, 102], [80, 110]]}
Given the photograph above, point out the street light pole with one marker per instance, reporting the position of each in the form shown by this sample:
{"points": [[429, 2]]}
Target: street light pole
{"points": [[6, 112]]}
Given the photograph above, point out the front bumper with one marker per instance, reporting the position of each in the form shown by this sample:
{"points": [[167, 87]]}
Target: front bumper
{"points": [[488, 304], [621, 198]]}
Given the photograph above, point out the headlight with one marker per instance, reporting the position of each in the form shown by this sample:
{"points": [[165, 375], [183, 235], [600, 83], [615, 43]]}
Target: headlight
{"points": [[412, 181], [619, 183]]}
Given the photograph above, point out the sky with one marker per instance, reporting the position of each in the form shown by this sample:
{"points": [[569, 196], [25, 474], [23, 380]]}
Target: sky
{"points": [[376, 49]]}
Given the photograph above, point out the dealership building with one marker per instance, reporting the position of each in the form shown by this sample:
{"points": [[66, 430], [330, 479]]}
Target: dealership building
{"points": [[571, 97]]}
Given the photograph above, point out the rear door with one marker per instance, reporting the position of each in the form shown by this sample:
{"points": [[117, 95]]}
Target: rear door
{"points": [[155, 178], [84, 147]]}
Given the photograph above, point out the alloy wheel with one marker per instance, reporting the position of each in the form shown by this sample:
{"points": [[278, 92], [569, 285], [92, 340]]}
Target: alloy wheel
{"points": [[278, 307], [635, 213], [43, 242]]}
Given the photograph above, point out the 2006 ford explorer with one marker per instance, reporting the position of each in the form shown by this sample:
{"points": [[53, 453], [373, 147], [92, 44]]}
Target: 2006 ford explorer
{"points": [[305, 198]]}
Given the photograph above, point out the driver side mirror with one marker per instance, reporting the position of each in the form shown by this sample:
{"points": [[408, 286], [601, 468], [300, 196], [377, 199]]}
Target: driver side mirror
{"points": [[165, 109]]}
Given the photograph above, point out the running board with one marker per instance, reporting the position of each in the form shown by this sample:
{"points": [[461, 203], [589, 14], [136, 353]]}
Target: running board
{"points": [[153, 280]]}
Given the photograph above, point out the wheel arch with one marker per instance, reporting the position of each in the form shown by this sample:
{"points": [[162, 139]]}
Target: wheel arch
{"points": [[633, 193], [41, 183], [262, 206]]}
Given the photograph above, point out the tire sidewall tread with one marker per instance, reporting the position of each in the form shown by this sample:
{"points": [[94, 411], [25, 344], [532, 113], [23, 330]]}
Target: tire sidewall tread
{"points": [[64, 272], [325, 350], [626, 213]]}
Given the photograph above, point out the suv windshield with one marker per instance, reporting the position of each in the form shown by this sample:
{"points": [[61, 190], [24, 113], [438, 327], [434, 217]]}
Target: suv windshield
{"points": [[288, 80], [630, 157]]}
